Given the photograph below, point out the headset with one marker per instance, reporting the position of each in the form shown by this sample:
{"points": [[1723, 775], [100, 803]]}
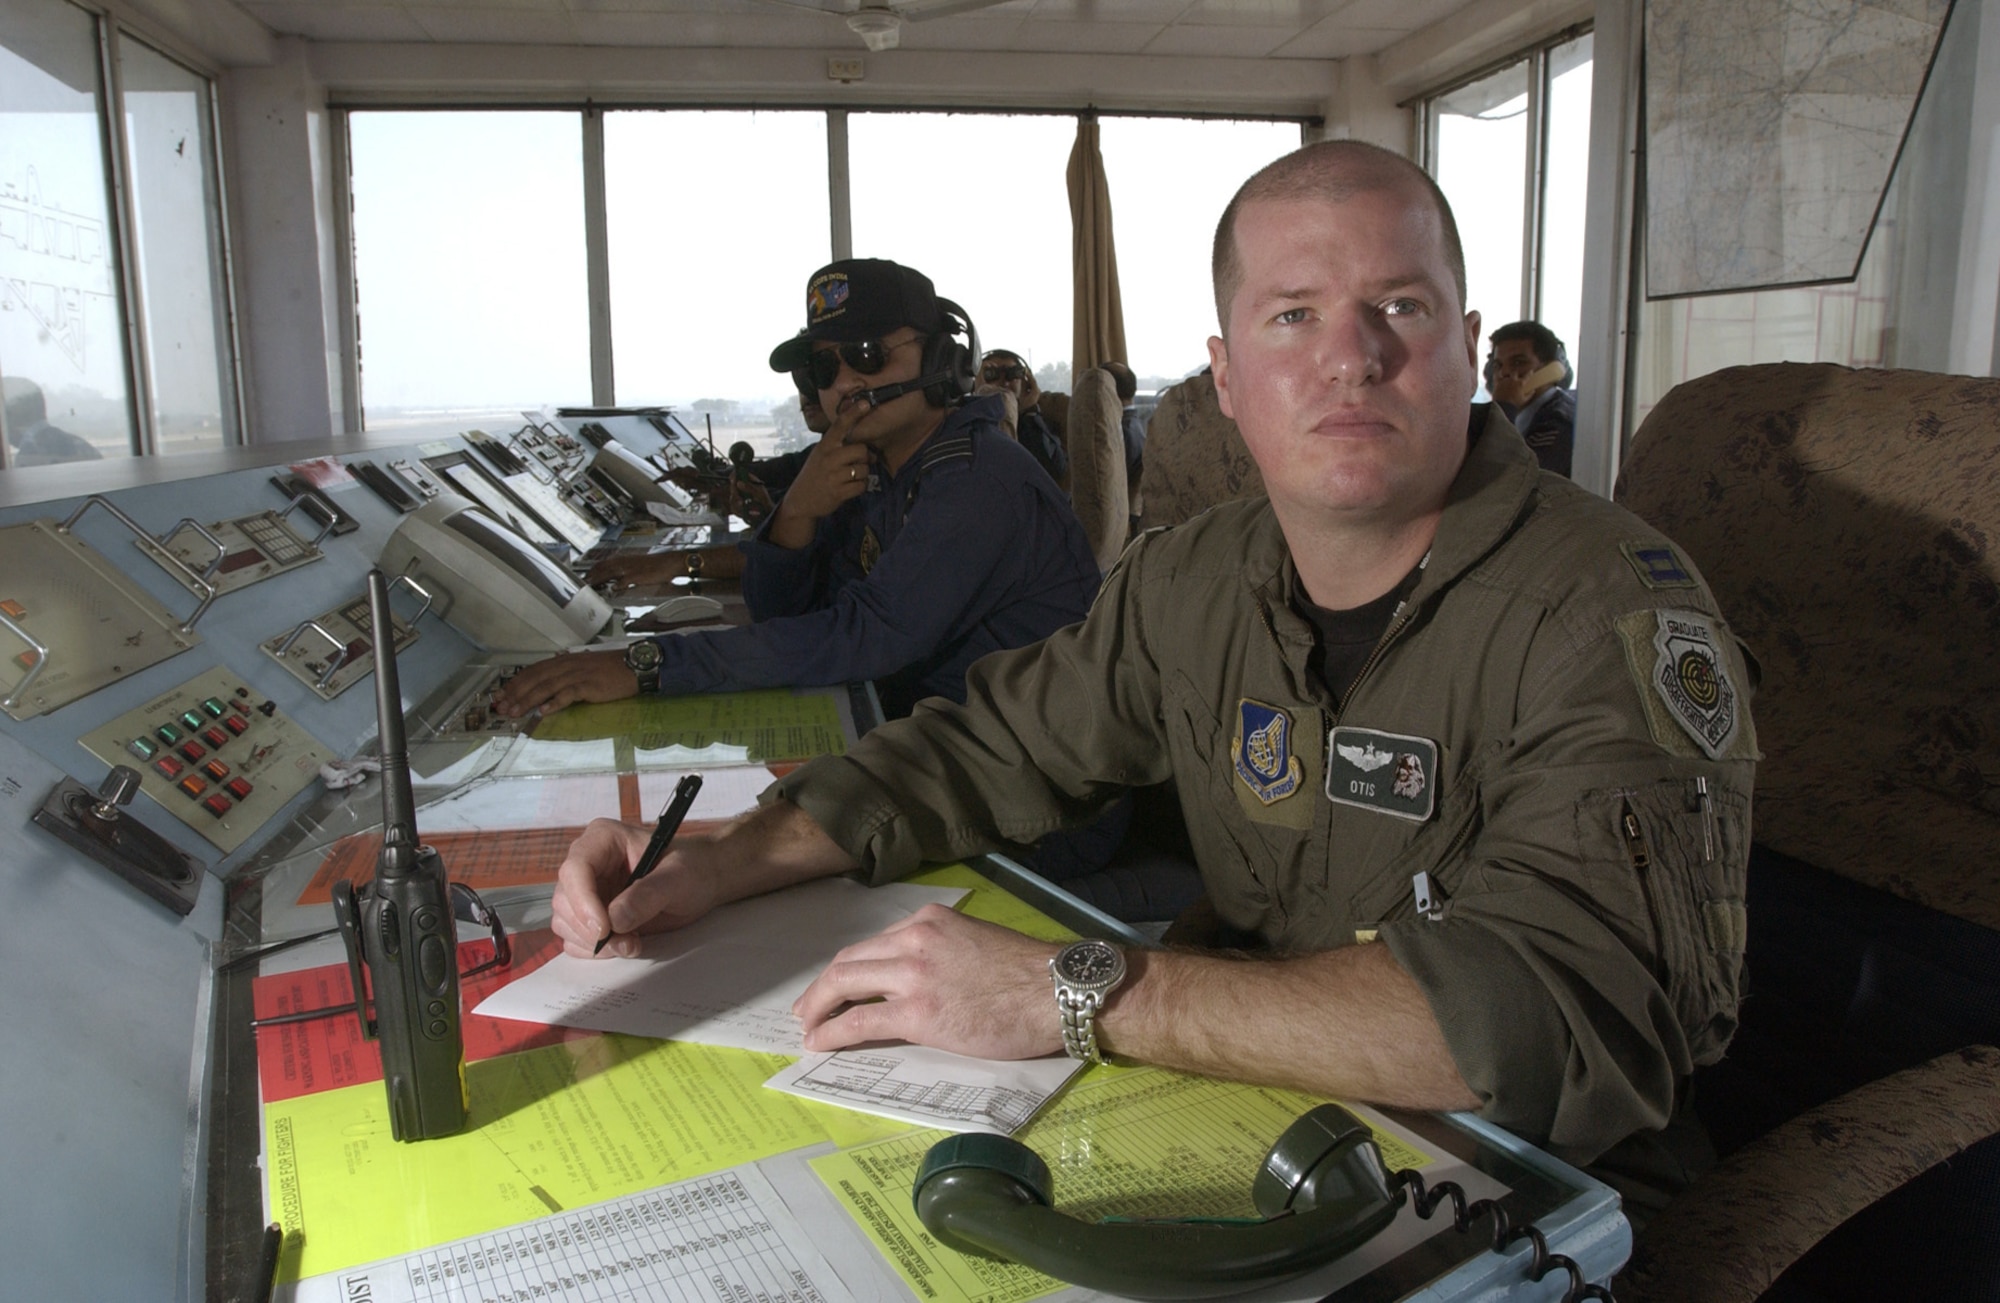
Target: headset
{"points": [[949, 369], [1322, 1193]]}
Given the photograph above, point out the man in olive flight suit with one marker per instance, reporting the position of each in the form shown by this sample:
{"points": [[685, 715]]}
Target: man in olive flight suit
{"points": [[1465, 752]]}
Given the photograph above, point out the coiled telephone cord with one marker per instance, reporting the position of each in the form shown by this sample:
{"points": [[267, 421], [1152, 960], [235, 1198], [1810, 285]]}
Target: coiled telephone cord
{"points": [[1505, 1234]]}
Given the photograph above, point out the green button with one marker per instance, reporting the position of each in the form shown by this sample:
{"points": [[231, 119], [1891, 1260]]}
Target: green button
{"points": [[193, 720], [142, 747], [167, 733], [214, 707]]}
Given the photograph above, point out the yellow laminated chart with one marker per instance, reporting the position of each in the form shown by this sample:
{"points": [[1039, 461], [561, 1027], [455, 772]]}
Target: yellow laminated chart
{"points": [[759, 727], [552, 1129], [1107, 1141]]}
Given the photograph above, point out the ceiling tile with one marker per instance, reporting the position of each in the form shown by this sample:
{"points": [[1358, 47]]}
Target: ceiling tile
{"points": [[1292, 15], [1337, 38], [325, 22], [754, 30], [1400, 16], [1158, 13], [1220, 42], [500, 26]]}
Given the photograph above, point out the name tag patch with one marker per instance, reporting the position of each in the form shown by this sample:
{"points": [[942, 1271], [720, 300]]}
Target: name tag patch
{"points": [[1390, 772], [1263, 748]]}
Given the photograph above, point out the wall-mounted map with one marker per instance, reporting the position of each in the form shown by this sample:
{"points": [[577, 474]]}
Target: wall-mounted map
{"points": [[1771, 132]]}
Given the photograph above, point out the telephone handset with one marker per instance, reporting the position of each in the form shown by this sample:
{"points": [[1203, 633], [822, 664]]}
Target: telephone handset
{"points": [[1322, 1191], [1552, 374]]}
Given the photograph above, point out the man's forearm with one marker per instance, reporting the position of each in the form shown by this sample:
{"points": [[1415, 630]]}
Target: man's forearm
{"points": [[1349, 1023], [773, 846]]}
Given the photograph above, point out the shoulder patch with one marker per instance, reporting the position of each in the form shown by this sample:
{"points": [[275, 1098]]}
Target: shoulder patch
{"points": [[1658, 565], [1694, 706]]}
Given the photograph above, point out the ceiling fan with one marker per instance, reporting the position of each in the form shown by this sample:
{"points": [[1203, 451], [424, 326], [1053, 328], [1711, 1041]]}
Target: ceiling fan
{"points": [[879, 23]]}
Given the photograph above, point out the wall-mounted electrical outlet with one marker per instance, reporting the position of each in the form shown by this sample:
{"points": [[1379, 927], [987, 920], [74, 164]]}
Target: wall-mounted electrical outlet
{"points": [[846, 69]]}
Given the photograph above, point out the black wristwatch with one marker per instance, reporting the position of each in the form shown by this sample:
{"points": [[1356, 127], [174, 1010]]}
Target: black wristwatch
{"points": [[1085, 974], [643, 659]]}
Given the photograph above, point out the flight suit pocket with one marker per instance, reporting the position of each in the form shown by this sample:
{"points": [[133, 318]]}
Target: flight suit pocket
{"points": [[1686, 842], [1220, 834]]}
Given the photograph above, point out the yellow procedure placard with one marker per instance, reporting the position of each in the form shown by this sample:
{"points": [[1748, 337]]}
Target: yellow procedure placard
{"points": [[551, 1129], [1110, 1142], [756, 727]]}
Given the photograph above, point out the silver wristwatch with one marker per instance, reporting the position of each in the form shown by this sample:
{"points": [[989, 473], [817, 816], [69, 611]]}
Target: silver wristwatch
{"points": [[643, 658], [1085, 974]]}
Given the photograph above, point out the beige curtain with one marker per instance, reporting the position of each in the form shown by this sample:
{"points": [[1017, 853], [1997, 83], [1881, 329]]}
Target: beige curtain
{"points": [[1099, 330]]}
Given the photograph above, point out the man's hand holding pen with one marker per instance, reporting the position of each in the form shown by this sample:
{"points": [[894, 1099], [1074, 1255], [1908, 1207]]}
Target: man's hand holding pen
{"points": [[608, 894], [600, 897]]}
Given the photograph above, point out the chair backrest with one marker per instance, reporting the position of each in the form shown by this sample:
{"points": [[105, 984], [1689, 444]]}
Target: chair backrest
{"points": [[1195, 457], [1849, 523], [1097, 466]]}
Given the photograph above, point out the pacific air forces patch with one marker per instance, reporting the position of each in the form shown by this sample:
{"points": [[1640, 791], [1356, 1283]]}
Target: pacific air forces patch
{"points": [[1390, 772], [871, 549], [1685, 682], [1263, 750]]}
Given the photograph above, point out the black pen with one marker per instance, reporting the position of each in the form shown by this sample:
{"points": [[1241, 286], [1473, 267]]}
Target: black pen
{"points": [[269, 1252], [663, 836]]}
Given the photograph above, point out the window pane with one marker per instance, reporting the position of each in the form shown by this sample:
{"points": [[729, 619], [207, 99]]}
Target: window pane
{"points": [[469, 274], [175, 207], [1565, 181], [1481, 132], [979, 203], [1170, 180], [62, 341], [716, 220]]}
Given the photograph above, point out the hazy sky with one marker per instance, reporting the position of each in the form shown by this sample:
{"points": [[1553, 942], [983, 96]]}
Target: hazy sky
{"points": [[470, 245]]}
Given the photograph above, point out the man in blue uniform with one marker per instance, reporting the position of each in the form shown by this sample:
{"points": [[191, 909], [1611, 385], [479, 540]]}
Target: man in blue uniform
{"points": [[917, 537]]}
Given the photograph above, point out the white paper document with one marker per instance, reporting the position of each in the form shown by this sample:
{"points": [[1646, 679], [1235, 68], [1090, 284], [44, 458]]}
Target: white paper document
{"points": [[729, 979], [726, 1236], [931, 1088]]}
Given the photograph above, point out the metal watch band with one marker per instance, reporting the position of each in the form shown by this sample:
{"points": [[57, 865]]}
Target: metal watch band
{"points": [[1079, 1023]]}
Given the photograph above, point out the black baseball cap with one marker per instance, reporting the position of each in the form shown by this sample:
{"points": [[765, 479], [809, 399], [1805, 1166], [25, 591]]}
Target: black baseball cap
{"points": [[861, 298]]}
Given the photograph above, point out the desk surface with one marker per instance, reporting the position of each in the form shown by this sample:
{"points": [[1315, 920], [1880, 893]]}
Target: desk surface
{"points": [[1578, 1216]]}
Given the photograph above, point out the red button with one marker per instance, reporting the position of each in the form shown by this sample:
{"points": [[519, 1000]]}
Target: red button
{"points": [[215, 737], [240, 786], [193, 750], [216, 769], [169, 766], [217, 805], [194, 785], [237, 725]]}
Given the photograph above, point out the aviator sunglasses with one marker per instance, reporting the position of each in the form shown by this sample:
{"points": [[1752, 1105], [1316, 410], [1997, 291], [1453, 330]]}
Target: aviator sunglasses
{"points": [[864, 356]]}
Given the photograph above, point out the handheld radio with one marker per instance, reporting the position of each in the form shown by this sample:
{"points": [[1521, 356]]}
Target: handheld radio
{"points": [[400, 930]]}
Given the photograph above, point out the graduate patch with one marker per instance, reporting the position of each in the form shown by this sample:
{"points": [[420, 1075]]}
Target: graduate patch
{"points": [[1691, 679], [1658, 565], [1263, 750], [1389, 772], [871, 549]]}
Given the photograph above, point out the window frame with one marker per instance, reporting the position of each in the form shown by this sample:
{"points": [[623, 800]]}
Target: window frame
{"points": [[112, 26], [1534, 216]]}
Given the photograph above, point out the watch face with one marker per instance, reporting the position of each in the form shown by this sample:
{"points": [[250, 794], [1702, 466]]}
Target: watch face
{"points": [[1088, 963], [643, 655]]}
